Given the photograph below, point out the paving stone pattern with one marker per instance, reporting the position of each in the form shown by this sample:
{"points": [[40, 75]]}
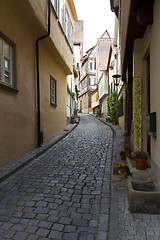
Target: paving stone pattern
{"points": [[64, 193], [136, 226], [130, 226]]}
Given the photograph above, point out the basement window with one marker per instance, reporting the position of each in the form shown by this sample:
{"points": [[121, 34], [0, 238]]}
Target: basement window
{"points": [[53, 91]]}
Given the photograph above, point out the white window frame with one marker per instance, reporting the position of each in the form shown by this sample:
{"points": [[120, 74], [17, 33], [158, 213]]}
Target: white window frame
{"points": [[10, 70], [55, 4], [62, 14]]}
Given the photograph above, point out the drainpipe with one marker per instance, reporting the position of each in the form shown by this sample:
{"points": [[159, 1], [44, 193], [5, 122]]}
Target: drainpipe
{"points": [[38, 83]]}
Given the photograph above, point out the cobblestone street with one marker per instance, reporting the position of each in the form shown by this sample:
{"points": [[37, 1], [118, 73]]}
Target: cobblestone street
{"points": [[65, 192]]}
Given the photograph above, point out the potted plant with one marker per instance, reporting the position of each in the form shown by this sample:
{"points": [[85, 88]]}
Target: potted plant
{"points": [[102, 115], [141, 158], [73, 119], [123, 154], [128, 148], [123, 170], [108, 119]]}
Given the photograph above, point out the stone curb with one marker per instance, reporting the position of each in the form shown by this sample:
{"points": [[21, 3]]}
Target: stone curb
{"points": [[12, 167]]}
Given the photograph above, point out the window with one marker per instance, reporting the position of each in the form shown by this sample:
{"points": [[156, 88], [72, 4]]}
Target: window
{"points": [[67, 24], [7, 51], [55, 5], [92, 65], [61, 13], [64, 19], [53, 89], [92, 81], [68, 28]]}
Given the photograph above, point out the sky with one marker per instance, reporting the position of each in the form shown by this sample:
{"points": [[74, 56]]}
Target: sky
{"points": [[97, 17]]}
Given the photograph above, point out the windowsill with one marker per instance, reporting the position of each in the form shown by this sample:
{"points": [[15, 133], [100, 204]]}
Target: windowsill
{"points": [[53, 105], [7, 88]]}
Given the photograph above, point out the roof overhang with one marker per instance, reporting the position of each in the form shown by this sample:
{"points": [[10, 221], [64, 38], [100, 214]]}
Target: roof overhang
{"points": [[114, 6], [140, 14]]}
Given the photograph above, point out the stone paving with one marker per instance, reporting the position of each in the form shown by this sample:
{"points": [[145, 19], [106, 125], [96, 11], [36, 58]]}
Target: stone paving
{"points": [[65, 192], [126, 225], [135, 225]]}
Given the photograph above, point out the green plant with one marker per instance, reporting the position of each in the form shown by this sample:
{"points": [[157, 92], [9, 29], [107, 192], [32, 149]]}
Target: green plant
{"points": [[123, 166], [74, 94], [122, 151], [112, 105], [128, 147], [140, 155], [98, 112]]}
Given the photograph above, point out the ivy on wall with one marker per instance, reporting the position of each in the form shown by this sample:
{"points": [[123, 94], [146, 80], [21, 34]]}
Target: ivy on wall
{"points": [[137, 113], [112, 105]]}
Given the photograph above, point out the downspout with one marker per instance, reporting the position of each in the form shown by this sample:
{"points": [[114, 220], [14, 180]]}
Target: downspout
{"points": [[38, 82]]}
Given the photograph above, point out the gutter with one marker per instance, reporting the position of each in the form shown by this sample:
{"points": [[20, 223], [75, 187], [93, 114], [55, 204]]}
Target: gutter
{"points": [[37, 70]]}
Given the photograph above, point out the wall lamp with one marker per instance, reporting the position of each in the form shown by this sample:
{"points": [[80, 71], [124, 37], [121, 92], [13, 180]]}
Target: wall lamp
{"points": [[116, 79]]}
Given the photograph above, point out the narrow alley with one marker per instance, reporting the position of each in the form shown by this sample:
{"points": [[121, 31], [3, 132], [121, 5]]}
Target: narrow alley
{"points": [[64, 193]]}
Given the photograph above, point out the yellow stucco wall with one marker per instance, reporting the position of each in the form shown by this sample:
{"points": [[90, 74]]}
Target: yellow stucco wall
{"points": [[18, 111], [53, 119], [23, 22], [94, 100], [84, 99]]}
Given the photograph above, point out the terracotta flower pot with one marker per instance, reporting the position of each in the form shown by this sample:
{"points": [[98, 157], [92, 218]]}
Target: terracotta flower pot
{"points": [[73, 120], [141, 164]]}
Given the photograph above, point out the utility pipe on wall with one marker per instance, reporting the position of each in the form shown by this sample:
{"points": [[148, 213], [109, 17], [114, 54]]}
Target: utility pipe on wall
{"points": [[38, 82]]}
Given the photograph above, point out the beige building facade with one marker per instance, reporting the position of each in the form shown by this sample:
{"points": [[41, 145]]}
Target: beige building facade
{"points": [[140, 51], [21, 24], [146, 69]]}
